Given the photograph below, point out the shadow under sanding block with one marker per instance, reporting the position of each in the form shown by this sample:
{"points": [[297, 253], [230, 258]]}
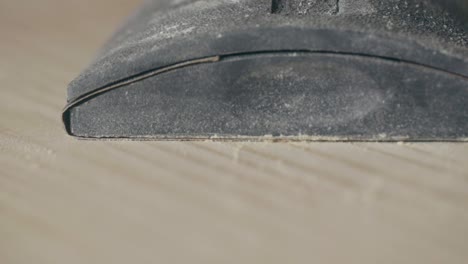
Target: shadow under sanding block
{"points": [[372, 70]]}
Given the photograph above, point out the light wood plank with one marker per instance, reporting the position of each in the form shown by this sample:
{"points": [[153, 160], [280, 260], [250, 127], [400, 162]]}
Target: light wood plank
{"points": [[69, 201]]}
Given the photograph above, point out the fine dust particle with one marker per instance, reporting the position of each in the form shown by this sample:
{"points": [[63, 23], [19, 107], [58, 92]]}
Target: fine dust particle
{"points": [[236, 151]]}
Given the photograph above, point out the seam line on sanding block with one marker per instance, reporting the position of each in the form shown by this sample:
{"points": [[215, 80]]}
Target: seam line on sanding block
{"points": [[139, 77]]}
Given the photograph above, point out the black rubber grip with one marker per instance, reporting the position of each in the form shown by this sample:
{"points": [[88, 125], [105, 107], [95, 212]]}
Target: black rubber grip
{"points": [[281, 69]]}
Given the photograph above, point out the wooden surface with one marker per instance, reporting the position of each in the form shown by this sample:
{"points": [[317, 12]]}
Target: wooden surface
{"points": [[69, 201]]}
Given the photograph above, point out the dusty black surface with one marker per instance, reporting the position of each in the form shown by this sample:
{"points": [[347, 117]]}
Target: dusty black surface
{"points": [[347, 69]]}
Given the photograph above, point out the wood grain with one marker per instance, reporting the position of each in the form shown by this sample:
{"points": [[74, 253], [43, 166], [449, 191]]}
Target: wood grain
{"points": [[69, 201]]}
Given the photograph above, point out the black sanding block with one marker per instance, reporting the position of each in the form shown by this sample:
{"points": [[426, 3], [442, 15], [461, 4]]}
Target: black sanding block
{"points": [[279, 69]]}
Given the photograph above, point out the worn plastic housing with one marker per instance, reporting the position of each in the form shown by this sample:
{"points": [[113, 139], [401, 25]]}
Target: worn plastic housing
{"points": [[279, 69]]}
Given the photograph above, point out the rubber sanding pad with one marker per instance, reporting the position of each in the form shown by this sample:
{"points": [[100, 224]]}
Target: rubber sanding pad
{"points": [[369, 70]]}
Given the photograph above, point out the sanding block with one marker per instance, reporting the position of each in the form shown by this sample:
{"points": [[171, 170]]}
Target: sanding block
{"points": [[344, 70]]}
